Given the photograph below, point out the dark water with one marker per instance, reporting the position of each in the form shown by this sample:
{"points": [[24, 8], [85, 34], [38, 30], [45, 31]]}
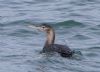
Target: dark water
{"points": [[77, 24]]}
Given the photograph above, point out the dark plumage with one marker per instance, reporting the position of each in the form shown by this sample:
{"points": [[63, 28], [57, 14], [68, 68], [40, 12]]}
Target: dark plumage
{"points": [[49, 46]]}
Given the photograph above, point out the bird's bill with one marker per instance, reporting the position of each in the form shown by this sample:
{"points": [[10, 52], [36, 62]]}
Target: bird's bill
{"points": [[34, 27]]}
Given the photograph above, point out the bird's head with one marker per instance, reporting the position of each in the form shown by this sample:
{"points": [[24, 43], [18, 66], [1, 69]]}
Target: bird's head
{"points": [[42, 27]]}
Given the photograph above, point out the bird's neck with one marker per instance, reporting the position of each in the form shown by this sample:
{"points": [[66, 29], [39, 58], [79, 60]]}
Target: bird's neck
{"points": [[50, 38]]}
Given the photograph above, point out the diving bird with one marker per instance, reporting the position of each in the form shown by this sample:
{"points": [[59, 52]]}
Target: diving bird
{"points": [[50, 45]]}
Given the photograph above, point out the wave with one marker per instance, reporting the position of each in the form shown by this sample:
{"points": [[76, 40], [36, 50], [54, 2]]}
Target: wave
{"points": [[81, 37], [70, 23]]}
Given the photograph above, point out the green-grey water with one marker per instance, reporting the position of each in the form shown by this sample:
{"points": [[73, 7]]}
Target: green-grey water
{"points": [[76, 23]]}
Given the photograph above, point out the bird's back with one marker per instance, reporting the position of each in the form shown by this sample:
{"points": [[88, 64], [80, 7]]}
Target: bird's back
{"points": [[63, 50]]}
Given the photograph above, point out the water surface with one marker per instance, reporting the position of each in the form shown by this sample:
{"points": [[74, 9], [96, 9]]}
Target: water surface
{"points": [[76, 23]]}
